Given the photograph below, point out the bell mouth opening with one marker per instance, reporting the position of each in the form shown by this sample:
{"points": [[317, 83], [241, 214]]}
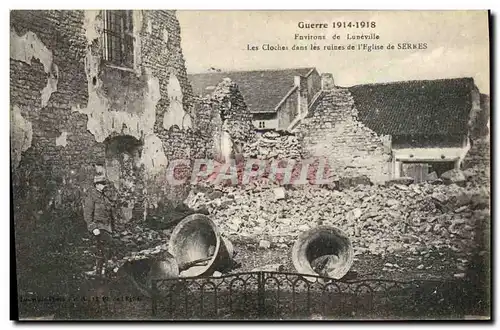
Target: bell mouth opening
{"points": [[143, 271], [324, 251], [325, 245], [195, 238]]}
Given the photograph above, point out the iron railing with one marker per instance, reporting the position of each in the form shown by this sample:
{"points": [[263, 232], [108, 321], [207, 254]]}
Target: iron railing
{"points": [[278, 295], [267, 296]]}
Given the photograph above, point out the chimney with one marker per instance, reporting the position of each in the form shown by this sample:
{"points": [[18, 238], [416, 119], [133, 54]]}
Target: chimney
{"points": [[302, 100], [327, 82], [296, 81]]}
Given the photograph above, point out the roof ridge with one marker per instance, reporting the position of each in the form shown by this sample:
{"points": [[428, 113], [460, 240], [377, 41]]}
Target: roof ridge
{"points": [[412, 81], [254, 70]]}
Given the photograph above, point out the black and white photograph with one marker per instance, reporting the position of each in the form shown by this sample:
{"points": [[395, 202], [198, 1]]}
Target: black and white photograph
{"points": [[241, 165]]}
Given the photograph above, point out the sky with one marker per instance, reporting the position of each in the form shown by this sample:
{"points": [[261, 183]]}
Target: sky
{"points": [[457, 44]]}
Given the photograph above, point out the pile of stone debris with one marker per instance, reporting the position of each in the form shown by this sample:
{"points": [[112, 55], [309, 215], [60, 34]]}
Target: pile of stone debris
{"points": [[274, 145], [136, 242], [379, 219]]}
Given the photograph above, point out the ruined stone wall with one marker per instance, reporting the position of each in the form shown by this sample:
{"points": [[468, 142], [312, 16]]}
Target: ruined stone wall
{"points": [[225, 122], [479, 134], [67, 104], [351, 149], [52, 150]]}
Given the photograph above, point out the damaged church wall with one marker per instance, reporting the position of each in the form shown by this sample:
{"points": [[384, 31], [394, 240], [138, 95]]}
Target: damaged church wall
{"points": [[52, 151], [67, 104]]}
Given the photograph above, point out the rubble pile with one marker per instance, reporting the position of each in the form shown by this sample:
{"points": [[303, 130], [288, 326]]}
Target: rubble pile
{"points": [[378, 219], [273, 145], [478, 175], [136, 242]]}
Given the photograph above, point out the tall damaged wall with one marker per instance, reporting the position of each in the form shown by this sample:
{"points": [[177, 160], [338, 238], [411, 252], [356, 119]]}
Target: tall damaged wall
{"points": [[68, 107], [49, 173], [226, 121], [331, 130]]}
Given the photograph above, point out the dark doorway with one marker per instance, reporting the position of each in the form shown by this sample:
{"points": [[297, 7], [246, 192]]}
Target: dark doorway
{"points": [[422, 171], [124, 170]]}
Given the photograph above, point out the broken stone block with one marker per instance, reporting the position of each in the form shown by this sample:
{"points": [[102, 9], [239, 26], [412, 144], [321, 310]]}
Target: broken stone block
{"points": [[303, 227], [264, 244], [461, 209], [402, 180], [432, 176], [391, 202], [279, 193], [357, 213], [214, 195], [453, 176]]}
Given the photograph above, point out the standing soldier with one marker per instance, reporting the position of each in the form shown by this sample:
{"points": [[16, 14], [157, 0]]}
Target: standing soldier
{"points": [[99, 215]]}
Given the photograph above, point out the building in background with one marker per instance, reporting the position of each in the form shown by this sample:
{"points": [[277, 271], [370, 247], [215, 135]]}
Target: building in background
{"points": [[390, 130], [276, 98], [429, 122]]}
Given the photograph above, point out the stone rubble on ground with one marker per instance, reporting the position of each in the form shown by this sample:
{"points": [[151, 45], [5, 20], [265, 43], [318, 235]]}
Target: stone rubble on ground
{"points": [[270, 268], [379, 219], [137, 242]]}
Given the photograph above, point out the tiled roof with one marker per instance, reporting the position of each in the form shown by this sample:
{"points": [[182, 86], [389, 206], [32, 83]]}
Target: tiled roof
{"points": [[424, 107], [262, 90]]}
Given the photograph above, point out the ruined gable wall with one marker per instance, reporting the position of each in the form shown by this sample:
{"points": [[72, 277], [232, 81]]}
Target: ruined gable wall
{"points": [[351, 149]]}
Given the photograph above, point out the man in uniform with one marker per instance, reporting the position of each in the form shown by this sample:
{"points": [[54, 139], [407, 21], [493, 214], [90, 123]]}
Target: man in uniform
{"points": [[99, 215]]}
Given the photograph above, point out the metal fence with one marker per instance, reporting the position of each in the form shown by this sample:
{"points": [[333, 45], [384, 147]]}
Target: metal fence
{"points": [[267, 296], [288, 296]]}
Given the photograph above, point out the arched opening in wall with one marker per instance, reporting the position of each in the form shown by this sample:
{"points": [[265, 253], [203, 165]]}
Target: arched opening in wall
{"points": [[124, 171]]}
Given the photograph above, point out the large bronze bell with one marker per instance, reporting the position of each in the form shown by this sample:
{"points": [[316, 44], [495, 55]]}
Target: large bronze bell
{"points": [[324, 251], [199, 248]]}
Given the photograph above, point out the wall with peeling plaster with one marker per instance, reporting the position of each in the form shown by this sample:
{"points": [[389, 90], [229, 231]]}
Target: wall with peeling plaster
{"points": [[67, 104]]}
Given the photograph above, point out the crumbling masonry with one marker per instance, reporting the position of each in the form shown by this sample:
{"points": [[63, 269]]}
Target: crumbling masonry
{"points": [[70, 109]]}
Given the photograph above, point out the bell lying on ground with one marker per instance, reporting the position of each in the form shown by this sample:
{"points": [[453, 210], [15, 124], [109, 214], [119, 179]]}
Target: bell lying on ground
{"points": [[197, 243], [324, 251]]}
